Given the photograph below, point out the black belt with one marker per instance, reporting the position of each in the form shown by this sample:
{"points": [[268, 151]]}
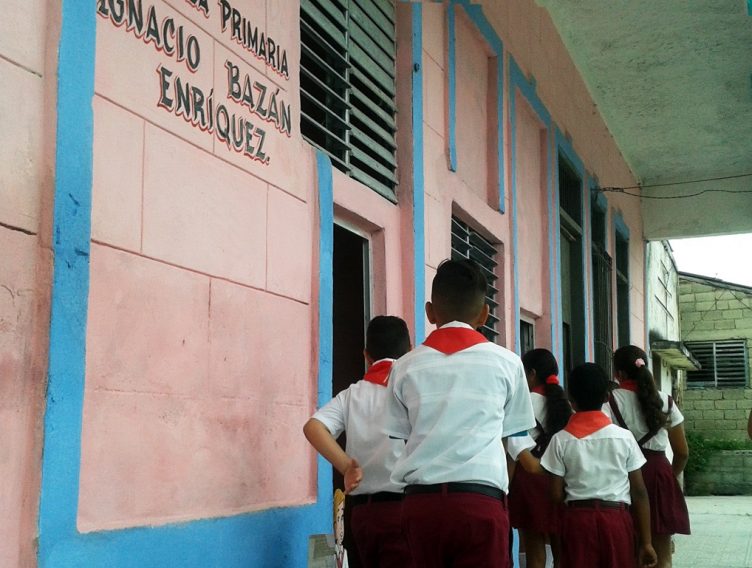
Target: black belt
{"points": [[597, 504], [381, 497], [647, 452], [454, 487]]}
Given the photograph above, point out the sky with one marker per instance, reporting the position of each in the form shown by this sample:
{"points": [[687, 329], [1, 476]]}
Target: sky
{"points": [[728, 258]]}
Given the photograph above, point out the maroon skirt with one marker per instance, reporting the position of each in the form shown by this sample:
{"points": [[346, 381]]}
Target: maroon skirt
{"points": [[668, 509], [530, 504]]}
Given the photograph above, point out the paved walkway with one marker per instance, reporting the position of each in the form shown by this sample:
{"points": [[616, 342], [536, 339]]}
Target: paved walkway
{"points": [[721, 534]]}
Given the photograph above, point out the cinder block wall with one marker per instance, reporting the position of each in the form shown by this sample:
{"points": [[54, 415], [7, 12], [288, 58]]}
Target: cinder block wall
{"points": [[717, 413]]}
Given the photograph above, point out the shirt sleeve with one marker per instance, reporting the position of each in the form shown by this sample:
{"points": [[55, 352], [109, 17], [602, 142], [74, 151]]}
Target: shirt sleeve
{"points": [[332, 414], [675, 417], [518, 408], [517, 444], [553, 458], [635, 460], [396, 420]]}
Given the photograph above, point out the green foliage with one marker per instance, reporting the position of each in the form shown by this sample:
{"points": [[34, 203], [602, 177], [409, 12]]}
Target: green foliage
{"points": [[701, 448]]}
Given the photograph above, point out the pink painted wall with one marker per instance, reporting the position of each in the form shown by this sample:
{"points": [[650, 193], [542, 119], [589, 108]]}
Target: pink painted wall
{"points": [[28, 36], [201, 352]]}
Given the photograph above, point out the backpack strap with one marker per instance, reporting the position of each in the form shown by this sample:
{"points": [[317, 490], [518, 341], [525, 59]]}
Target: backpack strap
{"points": [[616, 412]]}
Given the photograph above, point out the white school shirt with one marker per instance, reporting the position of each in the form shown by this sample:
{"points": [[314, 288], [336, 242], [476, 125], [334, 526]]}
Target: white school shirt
{"points": [[596, 466], [359, 410], [516, 444], [630, 410], [453, 410]]}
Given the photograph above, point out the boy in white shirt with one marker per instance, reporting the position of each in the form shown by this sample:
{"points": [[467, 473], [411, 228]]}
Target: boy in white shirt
{"points": [[370, 455], [454, 399], [595, 467]]}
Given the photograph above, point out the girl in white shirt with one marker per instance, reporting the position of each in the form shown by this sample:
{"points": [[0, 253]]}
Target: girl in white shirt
{"points": [[530, 507], [656, 424]]}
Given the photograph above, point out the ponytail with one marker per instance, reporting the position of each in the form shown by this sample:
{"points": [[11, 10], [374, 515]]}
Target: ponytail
{"points": [[558, 409], [632, 362]]}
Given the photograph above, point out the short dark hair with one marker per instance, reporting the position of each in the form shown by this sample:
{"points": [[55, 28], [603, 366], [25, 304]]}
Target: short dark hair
{"points": [[459, 290], [387, 337], [588, 386]]}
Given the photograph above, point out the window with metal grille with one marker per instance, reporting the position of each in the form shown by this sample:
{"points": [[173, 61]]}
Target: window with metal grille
{"points": [[527, 336], [724, 363], [468, 243], [622, 289], [602, 273], [347, 87]]}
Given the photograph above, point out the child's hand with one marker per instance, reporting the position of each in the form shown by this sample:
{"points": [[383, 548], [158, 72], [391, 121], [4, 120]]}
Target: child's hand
{"points": [[647, 555], [353, 476]]}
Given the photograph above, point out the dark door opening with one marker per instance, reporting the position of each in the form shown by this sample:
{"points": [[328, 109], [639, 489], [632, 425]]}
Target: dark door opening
{"points": [[351, 309]]}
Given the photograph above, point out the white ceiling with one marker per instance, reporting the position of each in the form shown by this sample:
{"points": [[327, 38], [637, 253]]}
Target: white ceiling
{"points": [[673, 81]]}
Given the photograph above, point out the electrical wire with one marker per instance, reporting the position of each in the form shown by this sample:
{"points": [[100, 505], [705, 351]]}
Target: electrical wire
{"points": [[624, 190]]}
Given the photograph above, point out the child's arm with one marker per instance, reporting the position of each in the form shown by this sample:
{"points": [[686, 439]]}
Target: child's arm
{"points": [[641, 513], [321, 439], [557, 488], [530, 462], [678, 442]]}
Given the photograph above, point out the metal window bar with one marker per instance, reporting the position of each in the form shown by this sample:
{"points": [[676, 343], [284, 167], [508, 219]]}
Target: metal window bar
{"points": [[468, 243], [602, 318], [347, 83], [724, 363]]}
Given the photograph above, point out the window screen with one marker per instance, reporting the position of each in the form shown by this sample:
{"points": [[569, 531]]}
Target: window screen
{"points": [[347, 86], [622, 289], [724, 363], [468, 243]]}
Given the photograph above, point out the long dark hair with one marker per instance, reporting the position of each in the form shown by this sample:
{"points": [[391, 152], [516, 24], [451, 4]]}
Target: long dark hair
{"points": [[558, 409], [632, 361]]}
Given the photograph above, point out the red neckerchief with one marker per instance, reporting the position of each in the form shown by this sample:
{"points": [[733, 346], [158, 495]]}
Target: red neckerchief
{"points": [[450, 340], [584, 423], [378, 373], [539, 389], [629, 385]]}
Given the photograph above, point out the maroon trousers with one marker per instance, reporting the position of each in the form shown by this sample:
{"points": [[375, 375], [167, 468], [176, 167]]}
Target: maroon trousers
{"points": [[597, 538], [457, 530], [377, 531]]}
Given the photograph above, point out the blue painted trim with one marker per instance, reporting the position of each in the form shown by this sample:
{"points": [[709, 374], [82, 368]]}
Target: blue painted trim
{"points": [[518, 82], [452, 87], [621, 228], [587, 269], [601, 203], [274, 537], [487, 31], [749, 7], [61, 456], [419, 237]]}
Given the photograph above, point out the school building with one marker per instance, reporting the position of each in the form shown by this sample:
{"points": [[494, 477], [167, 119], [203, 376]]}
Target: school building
{"points": [[202, 202]]}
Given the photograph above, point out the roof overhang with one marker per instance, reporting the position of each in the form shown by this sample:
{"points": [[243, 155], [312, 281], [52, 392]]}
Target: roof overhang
{"points": [[675, 354]]}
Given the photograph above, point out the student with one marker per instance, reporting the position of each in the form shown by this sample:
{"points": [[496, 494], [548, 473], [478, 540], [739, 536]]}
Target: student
{"points": [[656, 423], [530, 507], [595, 469], [370, 455], [453, 400]]}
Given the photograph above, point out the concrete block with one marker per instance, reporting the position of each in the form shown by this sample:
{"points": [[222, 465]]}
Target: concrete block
{"points": [[289, 238], [705, 297], [712, 414], [725, 425], [732, 394], [725, 404], [734, 414], [693, 394], [711, 394], [704, 405], [732, 314], [703, 326], [704, 306], [22, 34], [722, 304], [691, 317], [147, 326], [744, 404], [21, 143], [704, 425], [748, 394], [201, 214], [685, 298], [117, 176], [725, 325], [714, 315]]}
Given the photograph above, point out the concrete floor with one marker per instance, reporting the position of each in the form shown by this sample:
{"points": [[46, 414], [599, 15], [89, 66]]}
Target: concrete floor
{"points": [[721, 534]]}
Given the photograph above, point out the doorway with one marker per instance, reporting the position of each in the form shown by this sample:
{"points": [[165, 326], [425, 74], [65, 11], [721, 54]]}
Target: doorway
{"points": [[351, 313]]}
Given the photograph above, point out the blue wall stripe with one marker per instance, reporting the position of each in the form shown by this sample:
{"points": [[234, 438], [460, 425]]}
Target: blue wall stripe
{"points": [[419, 238], [70, 286], [274, 537], [452, 80]]}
